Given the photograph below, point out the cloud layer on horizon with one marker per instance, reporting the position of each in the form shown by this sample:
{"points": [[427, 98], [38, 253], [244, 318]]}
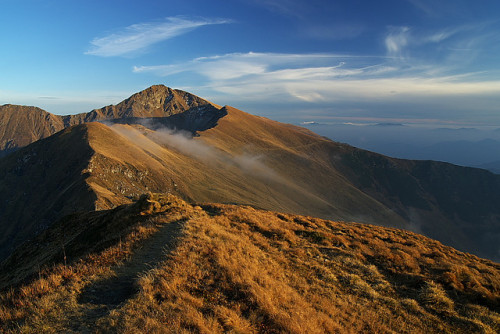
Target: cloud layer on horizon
{"points": [[422, 71], [325, 77]]}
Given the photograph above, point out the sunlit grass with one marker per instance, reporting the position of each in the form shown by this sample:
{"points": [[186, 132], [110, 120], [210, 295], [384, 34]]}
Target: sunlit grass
{"points": [[242, 270]]}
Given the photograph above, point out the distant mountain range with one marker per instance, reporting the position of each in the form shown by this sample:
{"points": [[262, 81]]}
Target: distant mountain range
{"points": [[492, 166], [471, 147], [166, 140]]}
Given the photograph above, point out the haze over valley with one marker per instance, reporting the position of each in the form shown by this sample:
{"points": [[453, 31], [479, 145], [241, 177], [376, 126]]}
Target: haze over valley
{"points": [[465, 146]]}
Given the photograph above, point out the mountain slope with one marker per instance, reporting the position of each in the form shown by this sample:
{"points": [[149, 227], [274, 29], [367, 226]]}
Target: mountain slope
{"points": [[456, 205], [156, 101], [229, 156], [98, 166], [20, 126], [41, 183], [238, 269]]}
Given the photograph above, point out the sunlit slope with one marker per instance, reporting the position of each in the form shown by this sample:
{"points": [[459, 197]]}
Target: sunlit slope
{"points": [[302, 158], [99, 166], [457, 205], [236, 157], [21, 125], [237, 269], [130, 160]]}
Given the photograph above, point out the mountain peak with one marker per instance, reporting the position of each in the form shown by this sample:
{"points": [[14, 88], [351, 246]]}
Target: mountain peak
{"points": [[156, 101]]}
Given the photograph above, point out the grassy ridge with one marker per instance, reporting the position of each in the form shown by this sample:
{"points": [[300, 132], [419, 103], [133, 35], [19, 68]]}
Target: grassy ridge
{"points": [[238, 269]]}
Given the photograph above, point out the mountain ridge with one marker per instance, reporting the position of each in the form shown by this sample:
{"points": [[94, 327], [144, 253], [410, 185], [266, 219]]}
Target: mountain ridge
{"points": [[234, 157], [22, 125], [236, 268], [13, 130]]}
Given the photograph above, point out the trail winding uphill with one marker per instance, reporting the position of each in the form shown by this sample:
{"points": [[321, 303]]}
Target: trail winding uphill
{"points": [[103, 296]]}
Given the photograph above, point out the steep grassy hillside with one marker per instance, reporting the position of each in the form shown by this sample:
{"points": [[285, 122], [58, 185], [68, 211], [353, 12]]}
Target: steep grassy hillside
{"points": [[459, 206], [237, 269], [99, 166]]}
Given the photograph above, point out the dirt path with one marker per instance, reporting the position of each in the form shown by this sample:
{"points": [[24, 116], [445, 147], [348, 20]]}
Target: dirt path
{"points": [[101, 297]]}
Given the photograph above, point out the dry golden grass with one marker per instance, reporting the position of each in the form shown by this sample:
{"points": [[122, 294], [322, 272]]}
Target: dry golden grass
{"points": [[241, 270], [246, 271], [49, 302]]}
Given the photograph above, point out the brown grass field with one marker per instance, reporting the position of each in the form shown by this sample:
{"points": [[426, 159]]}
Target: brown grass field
{"points": [[236, 269]]}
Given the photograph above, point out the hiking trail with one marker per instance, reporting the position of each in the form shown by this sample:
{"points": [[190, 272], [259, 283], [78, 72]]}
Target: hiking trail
{"points": [[101, 297]]}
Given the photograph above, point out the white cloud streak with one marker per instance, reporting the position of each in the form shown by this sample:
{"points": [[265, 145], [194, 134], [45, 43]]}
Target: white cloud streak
{"points": [[138, 37], [325, 78], [241, 65], [396, 40]]}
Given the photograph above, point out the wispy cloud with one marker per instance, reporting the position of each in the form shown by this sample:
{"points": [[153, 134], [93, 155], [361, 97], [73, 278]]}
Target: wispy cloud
{"points": [[326, 78], [154, 142], [396, 40], [426, 8], [240, 65], [138, 37], [444, 9], [421, 71]]}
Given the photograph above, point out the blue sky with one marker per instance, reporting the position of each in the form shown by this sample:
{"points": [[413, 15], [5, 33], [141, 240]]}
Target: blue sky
{"points": [[409, 61]]}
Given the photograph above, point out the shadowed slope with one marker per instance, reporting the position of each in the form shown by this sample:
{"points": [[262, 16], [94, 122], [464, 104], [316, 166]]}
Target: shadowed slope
{"points": [[459, 206], [41, 183]]}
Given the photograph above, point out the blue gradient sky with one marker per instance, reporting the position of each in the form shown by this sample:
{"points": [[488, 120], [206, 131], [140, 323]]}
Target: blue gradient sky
{"points": [[408, 61]]}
